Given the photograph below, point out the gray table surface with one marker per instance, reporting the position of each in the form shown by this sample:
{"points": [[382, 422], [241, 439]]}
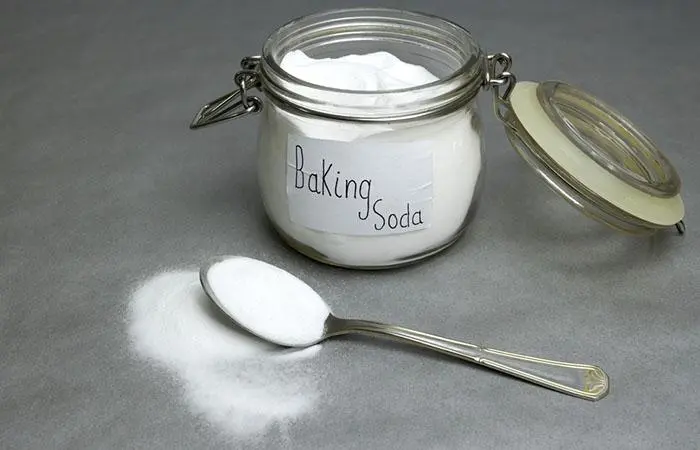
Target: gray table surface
{"points": [[102, 185]]}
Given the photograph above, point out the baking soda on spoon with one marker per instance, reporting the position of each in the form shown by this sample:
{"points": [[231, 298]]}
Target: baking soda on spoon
{"points": [[268, 301]]}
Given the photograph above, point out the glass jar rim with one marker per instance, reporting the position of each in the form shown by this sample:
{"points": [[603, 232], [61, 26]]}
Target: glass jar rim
{"points": [[449, 92]]}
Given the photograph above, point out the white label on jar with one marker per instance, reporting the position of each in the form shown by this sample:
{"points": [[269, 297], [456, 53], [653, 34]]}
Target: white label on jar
{"points": [[362, 187]]}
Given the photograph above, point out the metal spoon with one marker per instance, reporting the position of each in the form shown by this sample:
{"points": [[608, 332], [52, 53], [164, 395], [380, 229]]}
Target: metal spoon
{"points": [[580, 380]]}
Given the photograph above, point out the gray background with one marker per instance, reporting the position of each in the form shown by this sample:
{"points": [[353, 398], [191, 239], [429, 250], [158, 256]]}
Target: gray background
{"points": [[102, 185]]}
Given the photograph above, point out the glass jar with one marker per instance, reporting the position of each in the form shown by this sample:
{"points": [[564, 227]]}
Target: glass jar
{"points": [[354, 181], [376, 179]]}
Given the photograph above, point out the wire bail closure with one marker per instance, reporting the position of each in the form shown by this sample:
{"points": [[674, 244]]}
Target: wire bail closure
{"points": [[236, 103], [499, 77]]}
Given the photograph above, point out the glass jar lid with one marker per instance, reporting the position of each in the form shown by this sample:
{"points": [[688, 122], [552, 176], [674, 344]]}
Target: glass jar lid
{"points": [[592, 156]]}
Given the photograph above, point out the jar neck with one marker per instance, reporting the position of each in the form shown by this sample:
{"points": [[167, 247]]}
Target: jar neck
{"points": [[444, 48]]}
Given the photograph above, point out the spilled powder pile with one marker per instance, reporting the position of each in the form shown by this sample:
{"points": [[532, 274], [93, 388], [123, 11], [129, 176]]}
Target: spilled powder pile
{"points": [[230, 378]]}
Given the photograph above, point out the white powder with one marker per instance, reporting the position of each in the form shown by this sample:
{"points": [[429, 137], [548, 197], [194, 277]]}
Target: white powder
{"points": [[453, 139], [235, 381], [269, 301], [380, 71]]}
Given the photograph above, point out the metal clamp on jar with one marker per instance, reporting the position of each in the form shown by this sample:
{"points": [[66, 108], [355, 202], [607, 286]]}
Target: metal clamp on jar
{"points": [[402, 177]]}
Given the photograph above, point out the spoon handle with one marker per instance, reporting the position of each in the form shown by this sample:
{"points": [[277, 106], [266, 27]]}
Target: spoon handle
{"points": [[580, 380]]}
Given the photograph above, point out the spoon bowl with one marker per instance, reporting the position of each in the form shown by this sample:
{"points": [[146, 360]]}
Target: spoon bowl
{"points": [[280, 308]]}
